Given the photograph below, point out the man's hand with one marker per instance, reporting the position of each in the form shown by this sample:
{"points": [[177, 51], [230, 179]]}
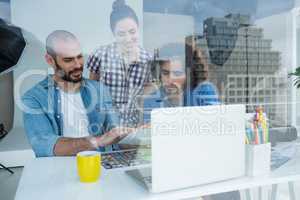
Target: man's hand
{"points": [[131, 54], [113, 136], [148, 125]]}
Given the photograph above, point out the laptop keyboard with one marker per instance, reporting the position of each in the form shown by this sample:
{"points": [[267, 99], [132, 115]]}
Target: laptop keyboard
{"points": [[126, 158]]}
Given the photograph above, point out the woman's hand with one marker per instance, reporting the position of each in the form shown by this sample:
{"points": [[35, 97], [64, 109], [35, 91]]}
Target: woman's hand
{"points": [[131, 54]]}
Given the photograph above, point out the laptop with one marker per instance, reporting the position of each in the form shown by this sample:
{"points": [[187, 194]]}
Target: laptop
{"points": [[193, 146]]}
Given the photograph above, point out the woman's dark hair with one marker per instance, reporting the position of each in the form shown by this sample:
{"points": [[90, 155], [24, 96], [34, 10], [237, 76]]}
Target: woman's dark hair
{"points": [[121, 11]]}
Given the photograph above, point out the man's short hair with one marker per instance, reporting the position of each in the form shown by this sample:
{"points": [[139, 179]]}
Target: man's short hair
{"points": [[171, 52], [58, 35]]}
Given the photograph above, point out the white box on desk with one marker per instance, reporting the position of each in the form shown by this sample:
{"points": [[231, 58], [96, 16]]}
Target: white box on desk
{"points": [[258, 159]]}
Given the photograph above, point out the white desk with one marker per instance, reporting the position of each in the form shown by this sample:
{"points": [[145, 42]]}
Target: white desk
{"points": [[56, 178]]}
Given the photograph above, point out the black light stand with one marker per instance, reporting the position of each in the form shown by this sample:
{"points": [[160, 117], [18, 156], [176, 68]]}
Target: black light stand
{"points": [[7, 169], [12, 45], [3, 133]]}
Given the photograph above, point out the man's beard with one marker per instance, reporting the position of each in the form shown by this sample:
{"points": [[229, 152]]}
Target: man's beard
{"points": [[68, 76], [173, 94], [172, 90]]}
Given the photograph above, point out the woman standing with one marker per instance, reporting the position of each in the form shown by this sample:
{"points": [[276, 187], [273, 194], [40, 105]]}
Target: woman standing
{"points": [[123, 65]]}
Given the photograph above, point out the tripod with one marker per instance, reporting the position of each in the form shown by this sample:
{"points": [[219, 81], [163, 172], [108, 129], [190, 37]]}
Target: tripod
{"points": [[7, 169], [3, 133]]}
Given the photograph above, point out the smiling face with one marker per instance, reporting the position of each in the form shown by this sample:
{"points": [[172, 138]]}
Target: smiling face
{"points": [[127, 34], [173, 77], [68, 60]]}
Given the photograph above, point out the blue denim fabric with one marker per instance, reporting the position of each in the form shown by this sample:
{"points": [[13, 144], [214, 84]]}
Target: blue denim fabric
{"points": [[204, 94], [43, 118]]}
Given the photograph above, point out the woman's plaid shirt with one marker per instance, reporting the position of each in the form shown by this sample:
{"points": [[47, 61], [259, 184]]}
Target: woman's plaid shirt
{"points": [[125, 82]]}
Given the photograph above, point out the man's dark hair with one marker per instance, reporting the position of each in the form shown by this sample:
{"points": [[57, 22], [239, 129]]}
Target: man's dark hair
{"points": [[170, 52], [61, 35], [121, 11]]}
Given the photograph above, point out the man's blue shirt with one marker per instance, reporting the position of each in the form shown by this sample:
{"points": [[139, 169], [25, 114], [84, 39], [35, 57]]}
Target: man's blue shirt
{"points": [[204, 94], [43, 119]]}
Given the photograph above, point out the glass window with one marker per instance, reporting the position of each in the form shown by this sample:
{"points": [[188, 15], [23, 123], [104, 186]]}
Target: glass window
{"points": [[156, 50]]}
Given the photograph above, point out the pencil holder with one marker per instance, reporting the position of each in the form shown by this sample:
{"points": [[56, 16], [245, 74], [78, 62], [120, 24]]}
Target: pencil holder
{"points": [[258, 159]]}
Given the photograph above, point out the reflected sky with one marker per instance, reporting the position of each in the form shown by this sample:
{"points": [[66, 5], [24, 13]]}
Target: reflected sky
{"points": [[197, 7], [202, 9]]}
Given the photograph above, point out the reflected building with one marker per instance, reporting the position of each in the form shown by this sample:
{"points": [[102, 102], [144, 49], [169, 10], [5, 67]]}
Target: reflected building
{"points": [[240, 61]]}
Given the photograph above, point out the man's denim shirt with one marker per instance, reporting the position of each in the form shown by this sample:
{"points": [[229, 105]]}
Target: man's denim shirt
{"points": [[203, 95], [43, 118]]}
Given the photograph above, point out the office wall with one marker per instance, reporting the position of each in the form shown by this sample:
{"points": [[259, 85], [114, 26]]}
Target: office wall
{"points": [[160, 29], [280, 29], [88, 20], [5, 10]]}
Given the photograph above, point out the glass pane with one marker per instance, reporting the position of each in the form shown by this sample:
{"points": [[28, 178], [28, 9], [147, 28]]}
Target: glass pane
{"points": [[152, 54]]}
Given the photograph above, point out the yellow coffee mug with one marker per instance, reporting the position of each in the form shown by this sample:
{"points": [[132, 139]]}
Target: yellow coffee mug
{"points": [[89, 166]]}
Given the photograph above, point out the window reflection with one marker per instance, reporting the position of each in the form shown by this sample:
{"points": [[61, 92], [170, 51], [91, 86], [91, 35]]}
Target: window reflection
{"points": [[243, 65]]}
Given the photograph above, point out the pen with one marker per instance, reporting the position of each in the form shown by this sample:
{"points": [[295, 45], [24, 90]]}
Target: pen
{"points": [[249, 135], [261, 133], [255, 132]]}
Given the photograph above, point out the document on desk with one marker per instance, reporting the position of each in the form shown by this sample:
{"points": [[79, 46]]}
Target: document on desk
{"points": [[141, 136]]}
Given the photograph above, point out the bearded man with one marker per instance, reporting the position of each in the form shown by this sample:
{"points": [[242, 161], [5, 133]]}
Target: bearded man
{"points": [[66, 113]]}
